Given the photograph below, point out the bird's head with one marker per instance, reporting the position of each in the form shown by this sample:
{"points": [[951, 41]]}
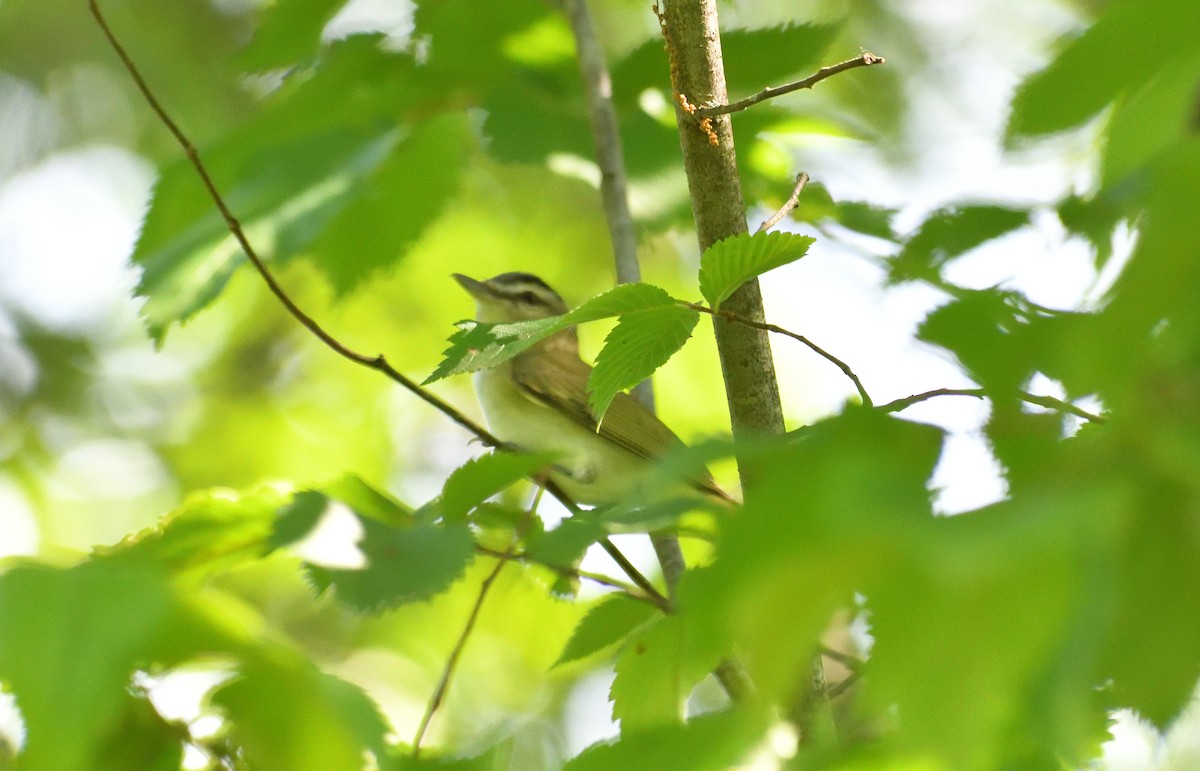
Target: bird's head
{"points": [[512, 297]]}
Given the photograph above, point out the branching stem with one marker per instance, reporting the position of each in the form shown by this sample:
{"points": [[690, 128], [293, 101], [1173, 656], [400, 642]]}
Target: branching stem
{"points": [[377, 362], [843, 366], [867, 59]]}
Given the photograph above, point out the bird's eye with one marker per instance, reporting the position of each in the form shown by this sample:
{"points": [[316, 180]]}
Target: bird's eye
{"points": [[528, 297]]}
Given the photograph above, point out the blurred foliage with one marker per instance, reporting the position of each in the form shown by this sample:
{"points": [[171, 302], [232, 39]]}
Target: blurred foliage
{"points": [[312, 541]]}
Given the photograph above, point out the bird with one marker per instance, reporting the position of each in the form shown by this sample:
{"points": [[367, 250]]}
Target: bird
{"points": [[538, 402]]}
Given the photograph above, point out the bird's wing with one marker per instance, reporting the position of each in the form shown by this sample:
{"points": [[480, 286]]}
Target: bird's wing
{"points": [[626, 422]]}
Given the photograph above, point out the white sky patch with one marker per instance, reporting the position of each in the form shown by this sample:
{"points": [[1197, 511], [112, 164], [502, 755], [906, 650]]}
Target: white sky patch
{"points": [[67, 227], [333, 542]]}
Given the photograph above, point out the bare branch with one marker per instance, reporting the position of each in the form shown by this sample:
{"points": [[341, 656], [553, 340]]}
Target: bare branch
{"points": [[867, 59], [1049, 402], [791, 203], [378, 362], [843, 366], [629, 590], [908, 401], [439, 693]]}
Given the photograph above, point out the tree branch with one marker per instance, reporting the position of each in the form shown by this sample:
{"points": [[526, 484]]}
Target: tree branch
{"points": [[378, 362], [629, 590], [867, 59], [439, 693], [1049, 402], [843, 366], [597, 89], [791, 203]]}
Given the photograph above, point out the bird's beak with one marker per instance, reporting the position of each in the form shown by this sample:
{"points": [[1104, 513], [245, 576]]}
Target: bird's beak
{"points": [[477, 289]]}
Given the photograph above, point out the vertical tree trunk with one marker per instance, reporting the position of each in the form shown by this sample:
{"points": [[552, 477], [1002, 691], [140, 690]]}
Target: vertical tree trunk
{"points": [[694, 43], [698, 76]]}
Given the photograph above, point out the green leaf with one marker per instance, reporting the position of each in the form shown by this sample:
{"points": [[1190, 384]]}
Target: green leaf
{"points": [[731, 262], [610, 621], [1130, 44], [290, 715], [296, 168], [477, 345], [654, 675], [565, 544], [211, 531], [69, 643], [480, 478], [949, 233], [402, 565], [640, 343], [290, 30], [707, 743]]}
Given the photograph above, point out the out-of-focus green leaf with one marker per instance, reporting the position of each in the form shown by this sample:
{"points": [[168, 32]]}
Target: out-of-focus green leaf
{"points": [[605, 624], [290, 715], [566, 543], [640, 343], [718, 741], [733, 261], [396, 202], [949, 233], [296, 168], [478, 345], [400, 565], [982, 329], [654, 676], [1132, 41], [480, 478], [833, 510], [290, 30], [211, 531], [1150, 120], [69, 642]]}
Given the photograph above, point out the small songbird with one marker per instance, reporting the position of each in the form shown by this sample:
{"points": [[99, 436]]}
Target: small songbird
{"points": [[538, 401]]}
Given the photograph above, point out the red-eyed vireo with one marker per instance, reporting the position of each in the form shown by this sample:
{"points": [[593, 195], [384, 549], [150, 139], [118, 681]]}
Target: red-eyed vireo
{"points": [[538, 401]]}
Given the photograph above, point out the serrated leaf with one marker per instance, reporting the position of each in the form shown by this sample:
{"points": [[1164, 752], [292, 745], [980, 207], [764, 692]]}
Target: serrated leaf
{"points": [[640, 343], [210, 531], [478, 345], [733, 261], [480, 478], [605, 624], [949, 233], [654, 676], [293, 169]]}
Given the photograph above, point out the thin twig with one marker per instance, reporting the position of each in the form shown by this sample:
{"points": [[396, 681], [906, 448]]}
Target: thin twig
{"points": [[866, 60], [1049, 402], [439, 693], [843, 366], [628, 590], [845, 659], [837, 690], [791, 203], [908, 401], [378, 362]]}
